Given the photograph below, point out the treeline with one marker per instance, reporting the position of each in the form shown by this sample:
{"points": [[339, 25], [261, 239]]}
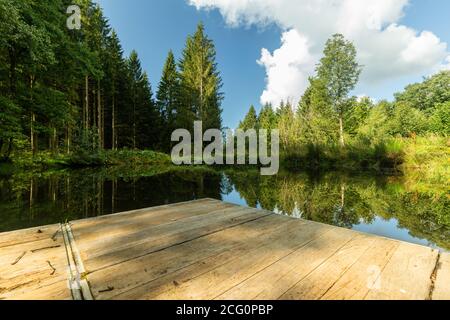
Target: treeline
{"points": [[74, 90], [330, 124]]}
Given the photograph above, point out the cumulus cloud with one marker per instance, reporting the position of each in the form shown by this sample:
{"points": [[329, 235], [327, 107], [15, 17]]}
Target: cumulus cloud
{"points": [[386, 48], [287, 68]]}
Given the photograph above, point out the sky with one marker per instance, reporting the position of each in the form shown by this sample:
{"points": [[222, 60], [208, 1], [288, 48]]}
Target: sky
{"points": [[267, 49]]}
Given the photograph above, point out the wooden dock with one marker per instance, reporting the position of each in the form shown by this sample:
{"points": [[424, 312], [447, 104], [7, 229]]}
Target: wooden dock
{"points": [[207, 249]]}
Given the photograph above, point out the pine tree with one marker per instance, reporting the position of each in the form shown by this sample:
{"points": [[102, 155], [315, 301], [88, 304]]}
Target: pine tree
{"points": [[267, 118], [200, 97], [250, 121], [143, 123], [168, 99]]}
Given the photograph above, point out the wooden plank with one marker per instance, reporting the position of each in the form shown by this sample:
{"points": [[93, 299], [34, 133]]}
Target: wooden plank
{"points": [[145, 241], [208, 279], [92, 228], [28, 235], [137, 272], [55, 291], [364, 274], [90, 238], [272, 282], [10, 255], [407, 276], [118, 216], [207, 249], [35, 271], [442, 282], [318, 282]]}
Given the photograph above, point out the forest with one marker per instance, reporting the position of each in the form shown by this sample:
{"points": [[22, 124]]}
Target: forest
{"points": [[74, 92]]}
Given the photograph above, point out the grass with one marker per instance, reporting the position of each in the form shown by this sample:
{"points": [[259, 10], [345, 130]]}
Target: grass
{"points": [[47, 160], [427, 159], [357, 155]]}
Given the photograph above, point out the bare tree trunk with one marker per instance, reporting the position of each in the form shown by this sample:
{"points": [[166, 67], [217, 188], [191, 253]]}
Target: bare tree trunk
{"points": [[68, 133], [86, 103], [55, 141], [9, 150], [33, 134], [341, 130], [33, 119], [113, 123], [134, 123], [99, 116]]}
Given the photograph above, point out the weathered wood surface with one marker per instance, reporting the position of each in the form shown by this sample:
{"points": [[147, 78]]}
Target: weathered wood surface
{"points": [[207, 249]]}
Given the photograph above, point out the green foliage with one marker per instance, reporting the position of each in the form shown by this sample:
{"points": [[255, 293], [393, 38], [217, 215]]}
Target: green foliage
{"points": [[426, 95], [357, 113], [317, 121], [267, 118], [406, 121], [9, 126], [440, 119], [250, 121]]}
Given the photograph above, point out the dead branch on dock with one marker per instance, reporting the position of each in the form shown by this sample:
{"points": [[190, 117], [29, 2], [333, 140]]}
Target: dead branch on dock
{"points": [[106, 290], [46, 248], [55, 235], [53, 268], [19, 258]]}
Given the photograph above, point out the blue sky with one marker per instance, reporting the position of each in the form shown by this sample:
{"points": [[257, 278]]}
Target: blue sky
{"points": [[154, 27]]}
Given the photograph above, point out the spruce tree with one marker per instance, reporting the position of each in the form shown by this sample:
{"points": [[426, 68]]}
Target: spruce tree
{"points": [[200, 97], [250, 121], [168, 99]]}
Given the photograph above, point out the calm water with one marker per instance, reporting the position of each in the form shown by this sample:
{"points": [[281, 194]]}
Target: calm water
{"points": [[386, 206]]}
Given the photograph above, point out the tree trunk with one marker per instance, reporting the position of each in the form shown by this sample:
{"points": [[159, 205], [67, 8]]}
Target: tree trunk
{"points": [[113, 124], [68, 133], [33, 134], [9, 150], [55, 141], [341, 130], [99, 116], [86, 103], [33, 120], [134, 122]]}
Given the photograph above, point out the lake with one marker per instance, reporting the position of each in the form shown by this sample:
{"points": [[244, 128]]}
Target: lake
{"points": [[390, 206]]}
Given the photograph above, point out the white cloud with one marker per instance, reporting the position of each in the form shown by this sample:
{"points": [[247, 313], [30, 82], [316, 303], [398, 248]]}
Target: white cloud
{"points": [[386, 49], [287, 69]]}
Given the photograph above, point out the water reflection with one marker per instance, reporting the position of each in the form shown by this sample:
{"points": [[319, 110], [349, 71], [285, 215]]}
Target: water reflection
{"points": [[386, 206]]}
